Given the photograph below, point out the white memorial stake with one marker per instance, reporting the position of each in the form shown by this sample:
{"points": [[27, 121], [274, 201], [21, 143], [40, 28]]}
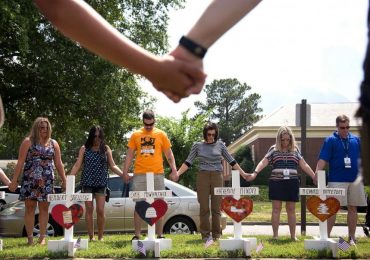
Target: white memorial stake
{"points": [[68, 243], [2, 196], [151, 243], [237, 242], [322, 242]]}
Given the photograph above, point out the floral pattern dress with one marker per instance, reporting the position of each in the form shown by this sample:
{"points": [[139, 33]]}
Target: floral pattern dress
{"points": [[38, 173]]}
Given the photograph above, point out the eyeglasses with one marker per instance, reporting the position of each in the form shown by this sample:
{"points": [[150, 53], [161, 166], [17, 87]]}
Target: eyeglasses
{"points": [[97, 136], [44, 127], [211, 134], [344, 127], [285, 139], [151, 124]]}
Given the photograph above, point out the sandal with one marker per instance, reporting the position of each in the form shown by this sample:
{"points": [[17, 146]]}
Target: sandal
{"points": [[135, 238]]}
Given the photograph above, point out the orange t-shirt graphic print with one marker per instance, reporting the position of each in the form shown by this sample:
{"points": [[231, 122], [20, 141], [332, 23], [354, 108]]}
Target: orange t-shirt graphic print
{"points": [[149, 148]]}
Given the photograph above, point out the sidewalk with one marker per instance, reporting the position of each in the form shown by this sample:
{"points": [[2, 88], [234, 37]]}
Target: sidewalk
{"points": [[249, 230]]}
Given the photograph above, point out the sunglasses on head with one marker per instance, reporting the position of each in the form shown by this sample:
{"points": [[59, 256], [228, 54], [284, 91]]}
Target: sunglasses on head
{"points": [[344, 127], [151, 124]]}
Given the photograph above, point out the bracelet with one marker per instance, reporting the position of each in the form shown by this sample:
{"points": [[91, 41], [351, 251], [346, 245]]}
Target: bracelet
{"points": [[193, 47]]}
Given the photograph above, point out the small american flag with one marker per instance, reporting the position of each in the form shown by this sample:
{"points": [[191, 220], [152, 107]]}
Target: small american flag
{"points": [[343, 245], [208, 242], [141, 247], [78, 243], [259, 247]]}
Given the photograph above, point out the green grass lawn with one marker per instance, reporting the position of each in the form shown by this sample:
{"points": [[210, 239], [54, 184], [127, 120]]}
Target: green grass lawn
{"points": [[183, 246], [262, 213]]}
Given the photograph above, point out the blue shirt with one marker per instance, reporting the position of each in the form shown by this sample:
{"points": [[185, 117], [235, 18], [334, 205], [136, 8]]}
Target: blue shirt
{"points": [[334, 150]]}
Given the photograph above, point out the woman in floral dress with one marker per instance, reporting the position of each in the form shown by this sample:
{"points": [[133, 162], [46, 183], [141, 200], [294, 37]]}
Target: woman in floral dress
{"points": [[37, 155]]}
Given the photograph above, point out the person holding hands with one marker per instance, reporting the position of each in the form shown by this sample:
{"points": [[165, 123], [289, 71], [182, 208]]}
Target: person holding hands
{"points": [[284, 157], [210, 153]]}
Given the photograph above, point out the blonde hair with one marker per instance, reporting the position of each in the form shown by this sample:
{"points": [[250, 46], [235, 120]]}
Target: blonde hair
{"points": [[35, 130], [282, 131]]}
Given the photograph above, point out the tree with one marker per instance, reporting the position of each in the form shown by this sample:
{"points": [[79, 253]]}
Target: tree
{"points": [[183, 133], [231, 107], [244, 157], [42, 73]]}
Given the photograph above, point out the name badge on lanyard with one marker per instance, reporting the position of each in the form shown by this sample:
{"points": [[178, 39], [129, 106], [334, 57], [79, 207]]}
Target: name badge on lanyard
{"points": [[347, 162], [286, 174]]}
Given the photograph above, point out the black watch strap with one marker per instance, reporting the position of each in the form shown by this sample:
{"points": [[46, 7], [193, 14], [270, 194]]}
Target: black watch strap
{"points": [[193, 47]]}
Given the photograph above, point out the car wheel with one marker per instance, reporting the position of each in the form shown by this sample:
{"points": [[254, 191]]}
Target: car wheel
{"points": [[52, 228], [179, 225]]}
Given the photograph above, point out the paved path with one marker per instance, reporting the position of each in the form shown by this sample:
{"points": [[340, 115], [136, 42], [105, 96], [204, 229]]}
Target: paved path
{"points": [[249, 230]]}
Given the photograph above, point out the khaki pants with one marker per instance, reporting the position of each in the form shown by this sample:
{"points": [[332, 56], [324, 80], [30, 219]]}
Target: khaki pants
{"points": [[206, 182]]}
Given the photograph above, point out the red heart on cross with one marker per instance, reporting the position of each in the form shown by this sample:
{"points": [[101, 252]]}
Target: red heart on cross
{"points": [[237, 209], [67, 217], [151, 213], [323, 209]]}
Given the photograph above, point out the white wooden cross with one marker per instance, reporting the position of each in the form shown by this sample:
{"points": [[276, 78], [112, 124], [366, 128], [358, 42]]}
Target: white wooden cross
{"points": [[151, 243], [237, 242], [322, 242], [2, 196], [68, 243]]}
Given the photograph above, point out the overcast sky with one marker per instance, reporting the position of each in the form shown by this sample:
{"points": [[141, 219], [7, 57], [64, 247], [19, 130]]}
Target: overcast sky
{"points": [[286, 50]]}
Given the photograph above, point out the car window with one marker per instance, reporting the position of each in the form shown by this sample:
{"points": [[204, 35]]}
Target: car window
{"points": [[116, 186]]}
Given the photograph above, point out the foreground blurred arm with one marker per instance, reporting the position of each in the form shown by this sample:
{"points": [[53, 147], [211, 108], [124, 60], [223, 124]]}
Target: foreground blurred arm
{"points": [[80, 22]]}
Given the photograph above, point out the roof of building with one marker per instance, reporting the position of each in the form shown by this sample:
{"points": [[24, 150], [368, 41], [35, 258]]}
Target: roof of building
{"points": [[322, 114]]}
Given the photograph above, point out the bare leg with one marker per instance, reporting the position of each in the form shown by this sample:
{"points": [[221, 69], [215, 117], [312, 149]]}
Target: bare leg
{"points": [[100, 203], [331, 222], [137, 222], [352, 221], [89, 218], [275, 217], [43, 220], [290, 209], [29, 218]]}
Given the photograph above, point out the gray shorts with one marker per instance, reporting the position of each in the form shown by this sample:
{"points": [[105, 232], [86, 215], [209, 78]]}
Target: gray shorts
{"points": [[139, 183], [96, 191], [355, 193]]}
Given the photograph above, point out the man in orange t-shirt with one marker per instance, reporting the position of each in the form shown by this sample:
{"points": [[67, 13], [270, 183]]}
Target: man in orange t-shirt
{"points": [[149, 144]]}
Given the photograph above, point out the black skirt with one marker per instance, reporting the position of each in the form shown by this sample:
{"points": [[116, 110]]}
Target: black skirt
{"points": [[284, 190]]}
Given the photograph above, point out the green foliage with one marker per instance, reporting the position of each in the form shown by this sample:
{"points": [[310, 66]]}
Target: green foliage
{"points": [[231, 107], [183, 133], [45, 74]]}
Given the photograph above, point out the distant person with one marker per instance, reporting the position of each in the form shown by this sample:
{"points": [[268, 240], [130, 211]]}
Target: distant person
{"points": [[341, 151], [95, 157], [80, 22], [210, 153], [38, 155], [3, 178], [284, 157], [148, 144]]}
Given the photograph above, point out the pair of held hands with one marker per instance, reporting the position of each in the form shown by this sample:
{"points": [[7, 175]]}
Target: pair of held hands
{"points": [[178, 75], [14, 185]]}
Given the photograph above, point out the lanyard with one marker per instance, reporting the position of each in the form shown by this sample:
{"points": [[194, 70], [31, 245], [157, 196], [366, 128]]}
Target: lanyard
{"points": [[345, 143]]}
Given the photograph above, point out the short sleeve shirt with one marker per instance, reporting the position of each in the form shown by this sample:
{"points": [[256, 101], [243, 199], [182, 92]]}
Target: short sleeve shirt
{"points": [[149, 147]]}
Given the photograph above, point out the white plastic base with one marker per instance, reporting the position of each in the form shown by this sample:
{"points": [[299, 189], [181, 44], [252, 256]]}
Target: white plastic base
{"points": [[1, 245], [156, 245], [247, 244], [320, 244], [63, 245]]}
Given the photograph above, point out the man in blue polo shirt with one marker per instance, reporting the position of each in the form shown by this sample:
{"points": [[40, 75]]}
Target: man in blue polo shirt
{"points": [[342, 151]]}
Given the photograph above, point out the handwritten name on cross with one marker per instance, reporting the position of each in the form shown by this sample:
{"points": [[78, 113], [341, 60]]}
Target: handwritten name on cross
{"points": [[322, 191], [236, 191], [149, 195], [68, 199]]}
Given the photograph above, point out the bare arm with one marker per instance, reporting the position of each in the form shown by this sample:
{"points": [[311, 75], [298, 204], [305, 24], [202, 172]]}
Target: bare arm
{"points": [[77, 166], [3, 178], [80, 22], [127, 163], [112, 164], [20, 163], [170, 159], [260, 166], [59, 164], [320, 165]]}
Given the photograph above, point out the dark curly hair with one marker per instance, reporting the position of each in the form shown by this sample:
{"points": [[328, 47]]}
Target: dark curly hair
{"points": [[210, 126]]}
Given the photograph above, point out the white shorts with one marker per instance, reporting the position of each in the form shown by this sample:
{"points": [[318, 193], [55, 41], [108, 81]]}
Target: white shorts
{"points": [[355, 193]]}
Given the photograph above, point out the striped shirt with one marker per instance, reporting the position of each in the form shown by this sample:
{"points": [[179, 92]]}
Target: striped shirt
{"points": [[281, 161], [210, 156]]}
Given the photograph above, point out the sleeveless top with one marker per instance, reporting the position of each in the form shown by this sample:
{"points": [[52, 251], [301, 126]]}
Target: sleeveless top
{"points": [[95, 170], [38, 172]]}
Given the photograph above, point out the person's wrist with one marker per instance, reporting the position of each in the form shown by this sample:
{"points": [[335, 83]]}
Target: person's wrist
{"points": [[193, 47], [256, 172]]}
